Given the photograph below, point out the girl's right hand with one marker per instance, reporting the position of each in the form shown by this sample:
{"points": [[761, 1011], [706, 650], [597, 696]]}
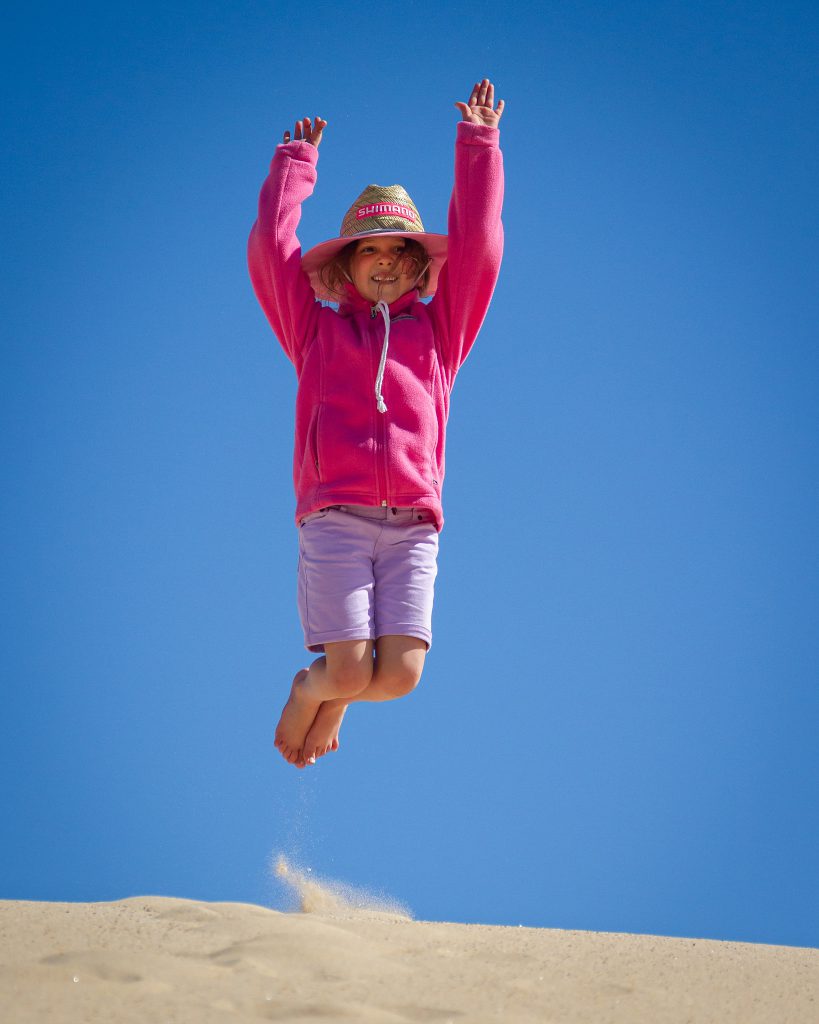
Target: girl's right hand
{"points": [[308, 131]]}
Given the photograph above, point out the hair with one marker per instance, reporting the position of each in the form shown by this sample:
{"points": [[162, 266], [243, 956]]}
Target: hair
{"points": [[335, 273]]}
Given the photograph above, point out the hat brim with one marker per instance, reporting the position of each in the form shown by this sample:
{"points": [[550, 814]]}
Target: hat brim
{"points": [[314, 259]]}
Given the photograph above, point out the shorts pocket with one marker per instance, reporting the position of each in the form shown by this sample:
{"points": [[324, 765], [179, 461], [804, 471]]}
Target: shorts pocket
{"points": [[320, 514]]}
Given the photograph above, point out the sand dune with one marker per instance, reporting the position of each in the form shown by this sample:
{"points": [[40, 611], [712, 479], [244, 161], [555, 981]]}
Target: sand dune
{"points": [[158, 960]]}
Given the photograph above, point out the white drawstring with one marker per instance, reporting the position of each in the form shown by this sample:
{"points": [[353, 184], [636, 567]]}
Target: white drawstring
{"points": [[382, 307], [379, 380]]}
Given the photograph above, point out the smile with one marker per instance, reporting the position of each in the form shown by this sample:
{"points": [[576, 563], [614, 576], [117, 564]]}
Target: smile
{"points": [[382, 279]]}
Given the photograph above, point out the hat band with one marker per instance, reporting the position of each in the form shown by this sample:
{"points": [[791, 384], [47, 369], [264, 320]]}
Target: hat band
{"points": [[385, 209]]}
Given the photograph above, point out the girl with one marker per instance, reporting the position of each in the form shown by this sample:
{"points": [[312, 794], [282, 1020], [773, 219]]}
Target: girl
{"points": [[374, 383]]}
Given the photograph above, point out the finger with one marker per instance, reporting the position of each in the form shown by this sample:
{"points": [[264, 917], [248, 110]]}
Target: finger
{"points": [[473, 99], [499, 109], [286, 137], [490, 95], [297, 130], [464, 109], [482, 93]]}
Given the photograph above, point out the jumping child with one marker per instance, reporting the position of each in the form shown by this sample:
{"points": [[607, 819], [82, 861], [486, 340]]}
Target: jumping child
{"points": [[374, 383]]}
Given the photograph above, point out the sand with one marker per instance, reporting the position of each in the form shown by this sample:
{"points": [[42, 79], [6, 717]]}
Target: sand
{"points": [[159, 960]]}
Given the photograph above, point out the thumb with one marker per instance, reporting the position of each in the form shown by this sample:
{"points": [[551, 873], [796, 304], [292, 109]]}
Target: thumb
{"points": [[464, 109]]}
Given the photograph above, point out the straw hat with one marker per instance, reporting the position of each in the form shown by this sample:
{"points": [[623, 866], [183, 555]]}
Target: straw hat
{"points": [[379, 210]]}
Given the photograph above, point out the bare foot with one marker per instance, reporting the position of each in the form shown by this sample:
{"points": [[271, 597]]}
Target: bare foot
{"points": [[323, 734], [296, 719]]}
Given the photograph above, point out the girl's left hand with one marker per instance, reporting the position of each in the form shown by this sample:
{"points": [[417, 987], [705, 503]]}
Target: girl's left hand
{"points": [[480, 109]]}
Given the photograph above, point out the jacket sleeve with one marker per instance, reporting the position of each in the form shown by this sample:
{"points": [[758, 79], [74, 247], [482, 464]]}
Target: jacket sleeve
{"points": [[474, 246], [274, 253]]}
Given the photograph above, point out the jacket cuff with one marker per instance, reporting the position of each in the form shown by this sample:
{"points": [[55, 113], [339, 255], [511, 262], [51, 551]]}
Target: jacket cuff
{"points": [[298, 149], [478, 134]]}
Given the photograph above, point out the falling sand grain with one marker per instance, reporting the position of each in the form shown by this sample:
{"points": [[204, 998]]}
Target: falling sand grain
{"points": [[314, 895]]}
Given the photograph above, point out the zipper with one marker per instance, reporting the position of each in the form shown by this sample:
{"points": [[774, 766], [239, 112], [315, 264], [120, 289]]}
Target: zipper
{"points": [[380, 425], [384, 429]]}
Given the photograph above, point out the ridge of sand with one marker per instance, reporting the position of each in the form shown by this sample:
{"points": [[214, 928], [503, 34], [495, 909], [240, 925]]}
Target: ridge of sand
{"points": [[155, 959]]}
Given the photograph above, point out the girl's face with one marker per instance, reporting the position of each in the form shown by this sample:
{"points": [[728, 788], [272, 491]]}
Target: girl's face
{"points": [[379, 272]]}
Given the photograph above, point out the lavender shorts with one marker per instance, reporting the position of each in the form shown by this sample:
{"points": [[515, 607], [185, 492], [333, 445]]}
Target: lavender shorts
{"points": [[366, 572]]}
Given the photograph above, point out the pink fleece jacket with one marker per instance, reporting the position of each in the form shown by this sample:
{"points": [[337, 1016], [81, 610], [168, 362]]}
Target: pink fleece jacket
{"points": [[346, 451]]}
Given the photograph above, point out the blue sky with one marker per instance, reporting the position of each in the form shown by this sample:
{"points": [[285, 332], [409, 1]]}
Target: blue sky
{"points": [[617, 725]]}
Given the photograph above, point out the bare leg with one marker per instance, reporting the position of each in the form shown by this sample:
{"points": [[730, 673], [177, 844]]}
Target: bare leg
{"points": [[399, 662], [345, 669]]}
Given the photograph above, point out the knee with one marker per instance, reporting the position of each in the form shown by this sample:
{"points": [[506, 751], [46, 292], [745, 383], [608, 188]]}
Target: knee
{"points": [[351, 677], [401, 679]]}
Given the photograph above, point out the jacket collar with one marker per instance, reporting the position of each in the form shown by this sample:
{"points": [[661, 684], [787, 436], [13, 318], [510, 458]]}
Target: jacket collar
{"points": [[356, 303]]}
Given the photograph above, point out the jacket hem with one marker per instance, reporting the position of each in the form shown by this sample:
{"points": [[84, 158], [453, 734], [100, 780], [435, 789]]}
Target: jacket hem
{"points": [[321, 498]]}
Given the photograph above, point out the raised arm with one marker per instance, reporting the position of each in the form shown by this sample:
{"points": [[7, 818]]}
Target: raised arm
{"points": [[274, 252], [475, 232]]}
